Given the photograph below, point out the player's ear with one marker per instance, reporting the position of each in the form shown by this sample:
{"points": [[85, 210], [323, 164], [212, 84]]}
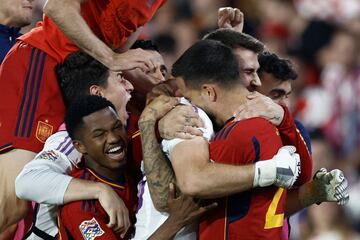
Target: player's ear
{"points": [[209, 92], [96, 90], [79, 146]]}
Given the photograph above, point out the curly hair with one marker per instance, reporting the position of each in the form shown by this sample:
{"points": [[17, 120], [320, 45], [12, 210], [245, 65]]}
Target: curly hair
{"points": [[78, 72], [279, 67]]}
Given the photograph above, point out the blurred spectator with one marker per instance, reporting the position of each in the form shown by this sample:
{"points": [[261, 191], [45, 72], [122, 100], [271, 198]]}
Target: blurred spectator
{"points": [[14, 14]]}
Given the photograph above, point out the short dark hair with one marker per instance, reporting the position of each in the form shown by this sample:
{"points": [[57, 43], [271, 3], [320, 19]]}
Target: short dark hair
{"points": [[207, 60], [83, 107], [145, 45], [281, 68], [234, 39], [78, 72]]}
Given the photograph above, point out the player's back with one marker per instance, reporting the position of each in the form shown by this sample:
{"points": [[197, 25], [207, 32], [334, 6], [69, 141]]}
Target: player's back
{"points": [[254, 214]]}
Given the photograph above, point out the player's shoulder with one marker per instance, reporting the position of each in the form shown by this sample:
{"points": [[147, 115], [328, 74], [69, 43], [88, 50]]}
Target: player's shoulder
{"points": [[240, 130], [252, 125], [57, 139]]}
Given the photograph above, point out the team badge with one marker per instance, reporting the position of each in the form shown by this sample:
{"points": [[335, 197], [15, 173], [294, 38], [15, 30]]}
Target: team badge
{"points": [[43, 131], [90, 229], [49, 155]]}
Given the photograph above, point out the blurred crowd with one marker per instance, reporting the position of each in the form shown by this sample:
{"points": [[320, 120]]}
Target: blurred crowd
{"points": [[322, 38]]}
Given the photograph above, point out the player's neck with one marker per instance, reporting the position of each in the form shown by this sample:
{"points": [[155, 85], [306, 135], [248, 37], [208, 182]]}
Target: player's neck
{"points": [[112, 174], [229, 104]]}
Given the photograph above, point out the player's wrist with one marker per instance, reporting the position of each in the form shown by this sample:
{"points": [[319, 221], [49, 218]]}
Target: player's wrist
{"points": [[309, 194], [100, 189], [265, 173]]}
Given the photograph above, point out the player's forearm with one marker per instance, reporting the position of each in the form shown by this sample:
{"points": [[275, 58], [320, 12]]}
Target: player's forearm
{"points": [[79, 189], [197, 176], [158, 172], [219, 180], [66, 14], [300, 198]]}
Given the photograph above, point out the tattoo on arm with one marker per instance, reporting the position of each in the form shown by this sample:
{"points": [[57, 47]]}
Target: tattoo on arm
{"points": [[158, 171]]}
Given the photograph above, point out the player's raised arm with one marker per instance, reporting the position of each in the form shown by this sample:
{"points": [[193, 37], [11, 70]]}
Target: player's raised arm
{"points": [[67, 12]]}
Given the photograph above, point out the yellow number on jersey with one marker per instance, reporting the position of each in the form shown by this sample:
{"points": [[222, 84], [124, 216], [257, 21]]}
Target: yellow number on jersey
{"points": [[274, 220]]}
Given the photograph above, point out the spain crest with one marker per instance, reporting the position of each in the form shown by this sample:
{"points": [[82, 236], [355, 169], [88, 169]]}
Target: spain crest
{"points": [[43, 131]]}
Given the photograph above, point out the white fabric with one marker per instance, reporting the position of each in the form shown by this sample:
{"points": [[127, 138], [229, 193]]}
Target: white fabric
{"points": [[148, 219], [44, 179], [208, 130]]}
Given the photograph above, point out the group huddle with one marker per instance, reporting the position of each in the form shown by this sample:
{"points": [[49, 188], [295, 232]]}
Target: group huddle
{"points": [[211, 145]]}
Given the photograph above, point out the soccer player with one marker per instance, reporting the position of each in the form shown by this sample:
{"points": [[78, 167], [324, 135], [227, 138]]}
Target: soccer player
{"points": [[194, 175], [98, 134], [104, 29]]}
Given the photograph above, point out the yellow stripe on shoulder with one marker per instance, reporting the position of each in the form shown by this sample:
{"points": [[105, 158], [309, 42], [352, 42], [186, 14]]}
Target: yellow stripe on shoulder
{"points": [[104, 181], [135, 134]]}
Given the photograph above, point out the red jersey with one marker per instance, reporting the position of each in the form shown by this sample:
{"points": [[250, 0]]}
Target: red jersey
{"points": [[112, 21], [290, 135], [259, 212], [87, 219], [134, 147]]}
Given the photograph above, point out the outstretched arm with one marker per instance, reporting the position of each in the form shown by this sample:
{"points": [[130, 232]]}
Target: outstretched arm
{"points": [[73, 25], [197, 176]]}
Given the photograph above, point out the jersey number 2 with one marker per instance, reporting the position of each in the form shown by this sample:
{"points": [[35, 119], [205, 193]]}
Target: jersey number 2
{"points": [[274, 220]]}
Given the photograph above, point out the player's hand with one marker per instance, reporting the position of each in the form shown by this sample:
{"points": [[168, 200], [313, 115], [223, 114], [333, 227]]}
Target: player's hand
{"points": [[180, 122], [229, 17], [134, 58], [330, 186], [116, 210], [184, 209], [288, 166], [282, 170], [157, 108], [258, 105]]}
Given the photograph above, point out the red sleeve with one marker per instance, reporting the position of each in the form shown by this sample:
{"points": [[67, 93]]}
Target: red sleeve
{"points": [[82, 224], [290, 135]]}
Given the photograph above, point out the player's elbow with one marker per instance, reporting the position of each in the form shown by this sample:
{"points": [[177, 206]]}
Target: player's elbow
{"points": [[22, 186], [191, 186]]}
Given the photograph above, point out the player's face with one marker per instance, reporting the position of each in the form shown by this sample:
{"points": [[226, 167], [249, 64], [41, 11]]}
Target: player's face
{"points": [[118, 91], [18, 11], [144, 82], [104, 140], [274, 88], [249, 66]]}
